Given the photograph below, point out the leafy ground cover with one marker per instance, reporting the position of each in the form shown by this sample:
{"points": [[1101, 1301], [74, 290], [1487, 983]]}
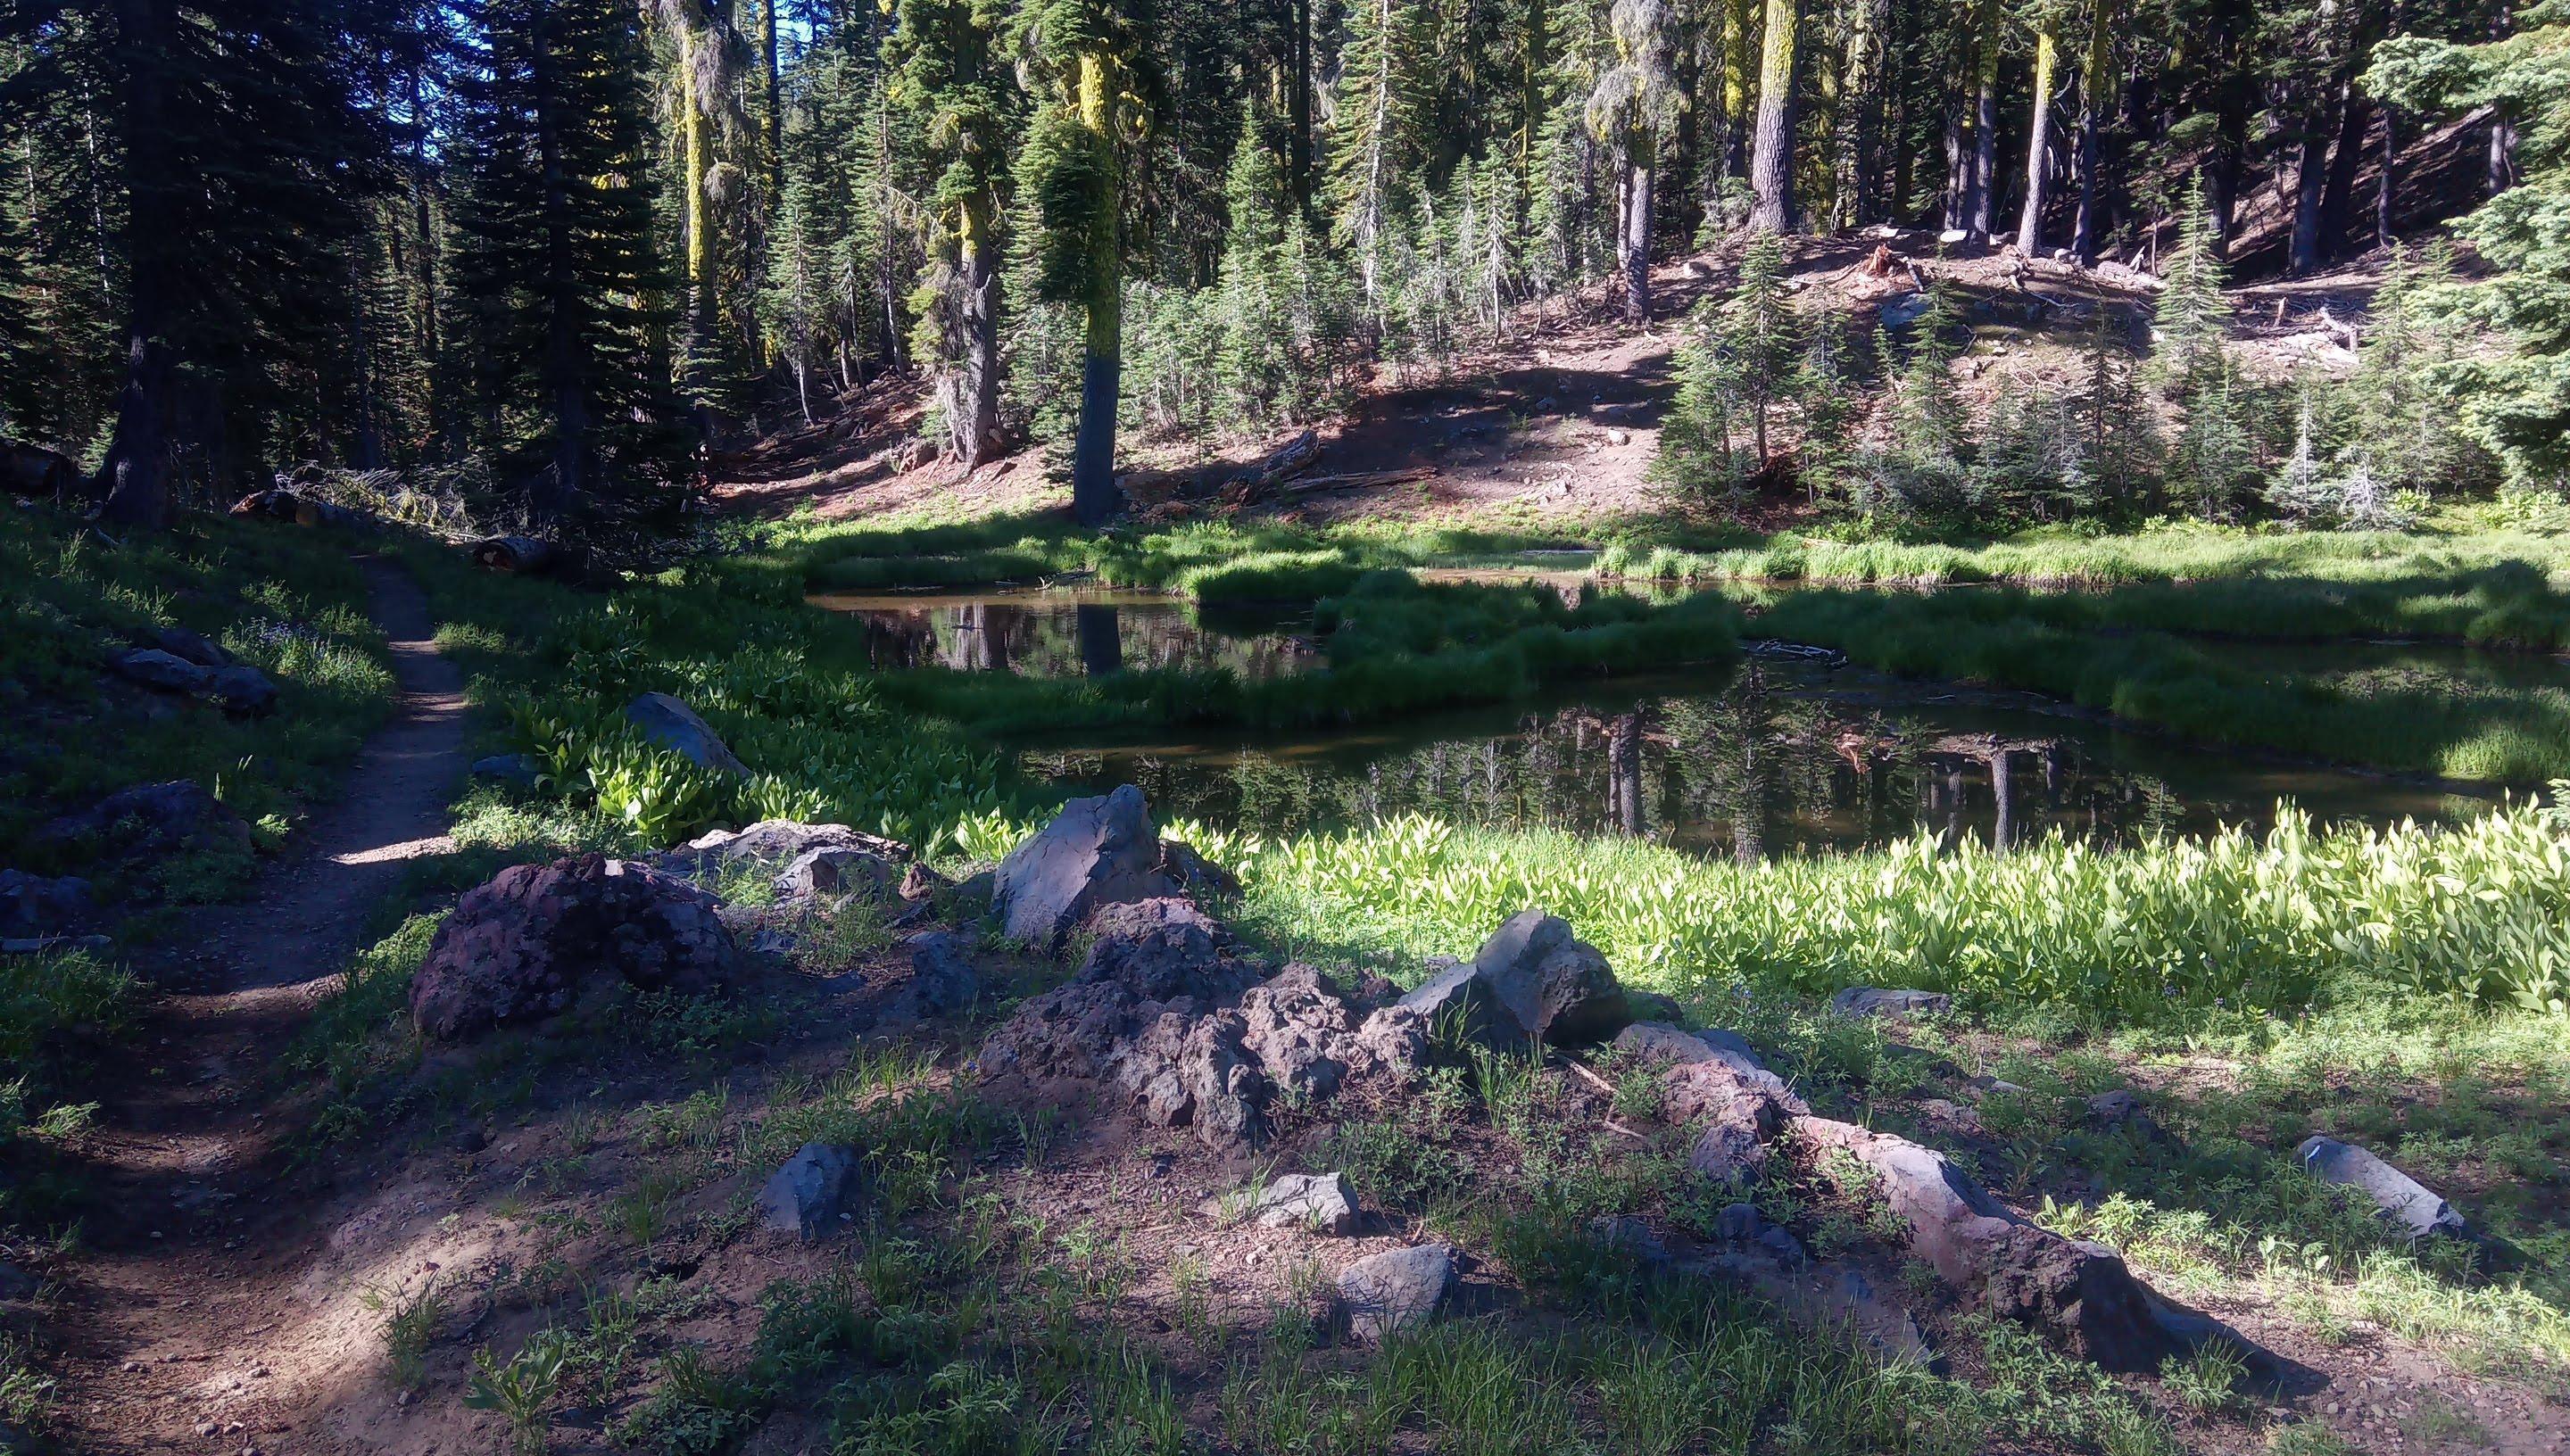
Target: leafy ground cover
{"points": [[288, 604]]}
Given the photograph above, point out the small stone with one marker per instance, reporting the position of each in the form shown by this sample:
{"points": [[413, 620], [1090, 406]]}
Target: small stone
{"points": [[1319, 1202], [470, 1141], [1876, 1001], [943, 981], [516, 770], [810, 1193], [1402, 1289], [2401, 1198], [1739, 1223], [673, 725], [1619, 437]]}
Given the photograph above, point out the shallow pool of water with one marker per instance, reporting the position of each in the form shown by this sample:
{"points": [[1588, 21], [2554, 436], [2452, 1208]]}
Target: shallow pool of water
{"points": [[1782, 757], [1070, 633]]}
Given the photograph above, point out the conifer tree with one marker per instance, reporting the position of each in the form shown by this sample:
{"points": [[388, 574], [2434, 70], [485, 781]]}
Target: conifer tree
{"points": [[2516, 401], [1771, 165], [1091, 110], [949, 66], [1633, 109], [554, 253]]}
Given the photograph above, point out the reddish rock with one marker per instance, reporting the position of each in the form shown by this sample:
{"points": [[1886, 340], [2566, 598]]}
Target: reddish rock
{"points": [[528, 943]]}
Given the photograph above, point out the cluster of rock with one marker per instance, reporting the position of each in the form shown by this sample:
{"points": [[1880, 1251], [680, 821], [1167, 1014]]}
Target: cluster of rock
{"points": [[175, 660], [536, 939], [1165, 1008], [2079, 1292]]}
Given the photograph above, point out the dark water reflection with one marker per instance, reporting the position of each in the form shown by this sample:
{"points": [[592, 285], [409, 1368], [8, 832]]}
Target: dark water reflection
{"points": [[1780, 759], [1069, 633]]}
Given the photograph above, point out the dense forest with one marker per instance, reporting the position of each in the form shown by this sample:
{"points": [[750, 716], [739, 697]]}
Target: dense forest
{"points": [[553, 249]]}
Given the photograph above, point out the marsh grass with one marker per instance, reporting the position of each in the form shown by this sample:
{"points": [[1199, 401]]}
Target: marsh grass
{"points": [[2238, 921]]}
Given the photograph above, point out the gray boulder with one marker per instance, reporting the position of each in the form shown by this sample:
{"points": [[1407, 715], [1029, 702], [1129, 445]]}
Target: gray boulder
{"points": [[241, 689], [1532, 980], [2402, 1200], [190, 646], [673, 725], [167, 672], [1319, 1202], [151, 819], [813, 1192], [1097, 851], [942, 978], [33, 907], [1876, 1001], [1557, 987], [1901, 312], [832, 870], [776, 845], [17, 1283], [1402, 1289]]}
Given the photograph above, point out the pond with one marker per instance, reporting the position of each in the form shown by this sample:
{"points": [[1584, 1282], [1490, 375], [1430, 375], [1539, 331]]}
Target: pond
{"points": [[1070, 633], [1784, 755]]}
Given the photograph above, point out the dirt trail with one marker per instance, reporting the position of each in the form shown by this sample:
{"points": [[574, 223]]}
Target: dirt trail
{"points": [[182, 1327]]}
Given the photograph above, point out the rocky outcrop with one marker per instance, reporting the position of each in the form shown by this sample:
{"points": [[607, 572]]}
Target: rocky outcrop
{"points": [[1532, 980], [1163, 1010], [814, 1193], [2079, 1293], [1097, 851], [1400, 1290], [2401, 1200], [37, 472], [151, 819], [535, 938], [37, 907], [1712, 1081], [187, 646], [663, 720]]}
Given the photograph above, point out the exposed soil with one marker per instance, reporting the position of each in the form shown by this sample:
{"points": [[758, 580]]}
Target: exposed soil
{"points": [[182, 1310]]}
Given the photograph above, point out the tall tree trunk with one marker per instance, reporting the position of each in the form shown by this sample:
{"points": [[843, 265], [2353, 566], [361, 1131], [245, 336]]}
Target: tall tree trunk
{"points": [[134, 477], [776, 99], [1740, 51], [2386, 185], [1982, 197], [425, 258], [2338, 198], [1298, 102], [2029, 224], [978, 434], [1771, 165], [697, 149], [2310, 180], [1636, 228], [1094, 496], [2222, 171], [558, 493], [1860, 144], [2090, 224]]}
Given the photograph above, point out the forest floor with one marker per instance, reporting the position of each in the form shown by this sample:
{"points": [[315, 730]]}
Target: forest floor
{"points": [[1555, 428]]}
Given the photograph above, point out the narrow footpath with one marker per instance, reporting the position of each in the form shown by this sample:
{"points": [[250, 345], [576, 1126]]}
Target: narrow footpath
{"points": [[184, 1326]]}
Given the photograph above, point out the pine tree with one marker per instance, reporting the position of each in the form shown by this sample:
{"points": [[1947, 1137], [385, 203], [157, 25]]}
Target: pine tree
{"points": [[1746, 356], [1375, 159], [1092, 108], [1770, 164], [1633, 109], [554, 253], [947, 57], [2517, 403], [1929, 423]]}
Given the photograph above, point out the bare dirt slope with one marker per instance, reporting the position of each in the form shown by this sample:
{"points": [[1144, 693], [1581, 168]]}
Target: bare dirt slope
{"points": [[182, 1324], [1556, 425]]}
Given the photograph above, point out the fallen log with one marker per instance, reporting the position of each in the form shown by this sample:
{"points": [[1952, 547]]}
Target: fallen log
{"points": [[515, 555], [1292, 458], [32, 470], [1360, 479]]}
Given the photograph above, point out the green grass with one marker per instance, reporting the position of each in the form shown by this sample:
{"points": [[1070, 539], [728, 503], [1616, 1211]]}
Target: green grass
{"points": [[2470, 914], [286, 602]]}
